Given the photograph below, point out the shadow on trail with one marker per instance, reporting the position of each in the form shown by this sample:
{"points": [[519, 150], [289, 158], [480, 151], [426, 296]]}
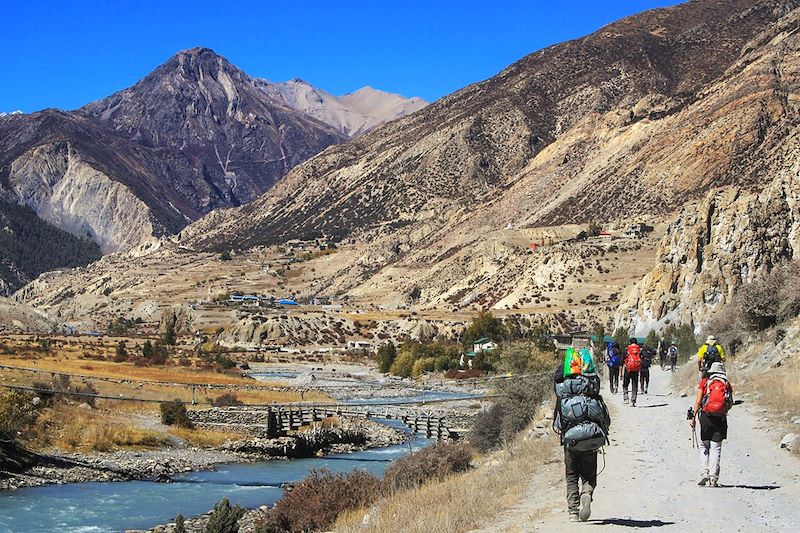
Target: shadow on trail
{"points": [[654, 405], [630, 522], [751, 487]]}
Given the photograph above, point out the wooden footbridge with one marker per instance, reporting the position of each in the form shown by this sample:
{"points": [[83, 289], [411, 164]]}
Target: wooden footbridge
{"points": [[279, 419]]}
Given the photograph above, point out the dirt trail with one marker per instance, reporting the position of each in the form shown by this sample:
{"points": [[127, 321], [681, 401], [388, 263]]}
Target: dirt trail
{"points": [[651, 473]]}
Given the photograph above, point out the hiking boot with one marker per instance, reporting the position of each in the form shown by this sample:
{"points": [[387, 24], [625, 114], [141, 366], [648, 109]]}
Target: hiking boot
{"points": [[633, 404], [703, 479], [625, 400], [574, 518], [586, 507], [713, 481]]}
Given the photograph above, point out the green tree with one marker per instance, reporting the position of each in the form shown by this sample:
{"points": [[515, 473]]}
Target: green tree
{"points": [[180, 526], [652, 339], [485, 324], [169, 337], [121, 352], [147, 349], [386, 356], [621, 335]]}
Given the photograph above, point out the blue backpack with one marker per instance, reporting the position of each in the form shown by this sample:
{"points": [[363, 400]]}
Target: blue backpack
{"points": [[614, 355]]}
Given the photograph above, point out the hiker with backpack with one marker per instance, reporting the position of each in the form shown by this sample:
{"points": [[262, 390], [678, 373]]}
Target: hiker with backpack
{"points": [[714, 400], [614, 362], [709, 353], [672, 354], [632, 365], [644, 374], [582, 420]]}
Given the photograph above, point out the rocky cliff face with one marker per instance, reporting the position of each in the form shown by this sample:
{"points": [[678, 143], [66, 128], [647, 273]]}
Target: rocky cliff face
{"points": [[353, 114], [713, 247], [65, 191]]}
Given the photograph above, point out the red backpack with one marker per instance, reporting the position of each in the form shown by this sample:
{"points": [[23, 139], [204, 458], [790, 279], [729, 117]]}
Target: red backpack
{"points": [[717, 397], [633, 360]]}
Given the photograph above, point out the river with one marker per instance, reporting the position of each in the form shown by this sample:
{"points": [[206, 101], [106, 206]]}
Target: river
{"points": [[114, 507]]}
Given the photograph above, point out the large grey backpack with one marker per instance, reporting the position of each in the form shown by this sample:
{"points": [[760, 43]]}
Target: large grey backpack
{"points": [[584, 437], [576, 409]]}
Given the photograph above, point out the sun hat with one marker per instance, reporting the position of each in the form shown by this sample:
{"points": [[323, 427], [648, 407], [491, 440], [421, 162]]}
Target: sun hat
{"points": [[716, 368], [711, 339]]}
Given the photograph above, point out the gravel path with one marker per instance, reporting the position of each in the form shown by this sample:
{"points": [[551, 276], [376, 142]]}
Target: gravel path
{"points": [[650, 478]]}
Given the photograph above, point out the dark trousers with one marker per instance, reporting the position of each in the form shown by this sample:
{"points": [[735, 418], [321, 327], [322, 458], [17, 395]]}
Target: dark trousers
{"points": [[613, 378], [644, 378], [628, 379], [583, 466], [672, 363]]}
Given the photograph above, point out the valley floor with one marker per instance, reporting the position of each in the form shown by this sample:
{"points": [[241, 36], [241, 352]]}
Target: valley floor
{"points": [[651, 473]]}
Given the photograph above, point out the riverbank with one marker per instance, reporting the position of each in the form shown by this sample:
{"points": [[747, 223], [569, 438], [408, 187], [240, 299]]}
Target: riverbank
{"points": [[55, 467]]}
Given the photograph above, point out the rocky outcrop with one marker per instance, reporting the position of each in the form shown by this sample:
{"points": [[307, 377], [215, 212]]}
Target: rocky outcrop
{"points": [[18, 317], [65, 191], [179, 318], [713, 247]]}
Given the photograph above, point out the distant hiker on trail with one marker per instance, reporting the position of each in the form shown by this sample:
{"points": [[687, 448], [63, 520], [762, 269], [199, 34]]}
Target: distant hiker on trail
{"points": [[632, 366], [672, 353], [714, 399], [708, 354], [644, 374], [581, 419], [662, 354], [614, 362]]}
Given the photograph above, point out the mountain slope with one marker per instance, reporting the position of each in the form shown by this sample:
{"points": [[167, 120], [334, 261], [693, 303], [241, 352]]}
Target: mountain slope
{"points": [[436, 211], [582, 130], [194, 135], [353, 114]]}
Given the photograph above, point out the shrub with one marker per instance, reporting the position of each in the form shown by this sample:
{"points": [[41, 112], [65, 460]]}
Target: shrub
{"points": [[523, 357], [224, 362], [421, 366], [403, 365], [314, 503], [433, 462], [121, 352], [224, 518], [17, 412], [759, 302], [510, 413], [180, 526], [226, 399], [174, 414]]}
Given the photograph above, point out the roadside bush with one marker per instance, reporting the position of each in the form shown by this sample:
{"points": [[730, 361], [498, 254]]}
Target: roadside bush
{"points": [[433, 462], [759, 302], [17, 412], [224, 518], [524, 357], [314, 503], [421, 366], [227, 399], [224, 362], [510, 413], [174, 414], [180, 526]]}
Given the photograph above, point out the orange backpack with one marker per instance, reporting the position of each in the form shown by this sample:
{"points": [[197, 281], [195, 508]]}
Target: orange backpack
{"points": [[633, 359]]}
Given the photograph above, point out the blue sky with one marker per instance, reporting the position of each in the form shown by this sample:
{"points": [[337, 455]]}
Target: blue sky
{"points": [[67, 53]]}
